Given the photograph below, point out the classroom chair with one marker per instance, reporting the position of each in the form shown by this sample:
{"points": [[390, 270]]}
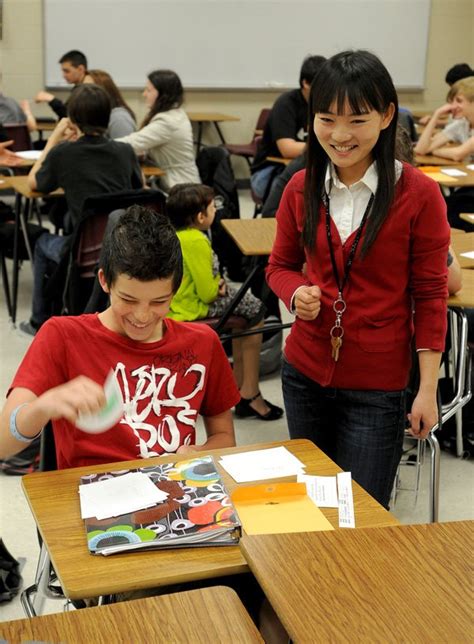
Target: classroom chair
{"points": [[20, 135], [80, 264], [248, 150]]}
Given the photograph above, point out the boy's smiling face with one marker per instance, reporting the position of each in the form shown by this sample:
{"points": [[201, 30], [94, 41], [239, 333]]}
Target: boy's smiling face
{"points": [[137, 308]]}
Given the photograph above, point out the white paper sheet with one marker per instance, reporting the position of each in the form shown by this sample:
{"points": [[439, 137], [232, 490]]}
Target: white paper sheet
{"points": [[259, 465], [469, 254], [119, 495], [29, 154], [346, 501], [453, 172], [321, 489]]}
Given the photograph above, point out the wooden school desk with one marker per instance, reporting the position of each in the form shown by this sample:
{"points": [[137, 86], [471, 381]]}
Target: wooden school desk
{"points": [[398, 584], [253, 236], [199, 616], [463, 244], [24, 197], [432, 159], [209, 117], [54, 501]]}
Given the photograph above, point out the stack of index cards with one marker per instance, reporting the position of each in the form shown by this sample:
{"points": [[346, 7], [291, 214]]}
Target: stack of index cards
{"points": [[259, 465], [119, 495]]}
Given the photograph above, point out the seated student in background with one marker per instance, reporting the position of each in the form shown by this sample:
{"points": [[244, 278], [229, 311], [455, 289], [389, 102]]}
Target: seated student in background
{"points": [[204, 293], [122, 118], [74, 69], [89, 164], [166, 133], [285, 131], [169, 372], [13, 112], [453, 75], [460, 130]]}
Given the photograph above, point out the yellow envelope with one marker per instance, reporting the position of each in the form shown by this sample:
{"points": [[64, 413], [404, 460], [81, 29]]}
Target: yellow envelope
{"points": [[440, 177], [274, 508]]}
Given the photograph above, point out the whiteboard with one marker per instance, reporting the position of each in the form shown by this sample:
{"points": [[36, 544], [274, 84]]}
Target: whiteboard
{"points": [[235, 44]]}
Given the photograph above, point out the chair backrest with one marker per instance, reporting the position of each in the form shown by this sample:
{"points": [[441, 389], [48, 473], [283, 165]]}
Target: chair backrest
{"points": [[88, 238], [20, 135], [263, 118]]}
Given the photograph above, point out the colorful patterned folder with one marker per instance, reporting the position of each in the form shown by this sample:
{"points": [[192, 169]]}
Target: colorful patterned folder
{"points": [[197, 512]]}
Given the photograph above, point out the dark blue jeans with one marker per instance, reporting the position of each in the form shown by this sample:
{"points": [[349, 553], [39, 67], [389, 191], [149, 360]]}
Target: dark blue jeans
{"points": [[48, 248], [362, 431]]}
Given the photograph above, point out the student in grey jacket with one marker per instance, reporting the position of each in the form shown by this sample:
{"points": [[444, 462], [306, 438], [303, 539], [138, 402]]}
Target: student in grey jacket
{"points": [[166, 133]]}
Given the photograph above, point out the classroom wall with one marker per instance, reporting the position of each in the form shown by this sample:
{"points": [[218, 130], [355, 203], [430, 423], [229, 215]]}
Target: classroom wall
{"points": [[21, 61]]}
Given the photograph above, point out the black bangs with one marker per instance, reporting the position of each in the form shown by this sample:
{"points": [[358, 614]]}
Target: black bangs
{"points": [[356, 79]]}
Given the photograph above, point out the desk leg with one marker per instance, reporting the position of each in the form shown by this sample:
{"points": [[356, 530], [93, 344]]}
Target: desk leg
{"points": [[237, 298], [219, 132], [199, 137], [25, 217], [16, 267], [434, 477]]}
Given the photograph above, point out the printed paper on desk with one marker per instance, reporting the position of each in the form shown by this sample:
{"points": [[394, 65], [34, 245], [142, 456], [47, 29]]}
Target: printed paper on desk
{"points": [[321, 489], [470, 166], [453, 172], [258, 465], [469, 254], [346, 501], [278, 508], [119, 495]]}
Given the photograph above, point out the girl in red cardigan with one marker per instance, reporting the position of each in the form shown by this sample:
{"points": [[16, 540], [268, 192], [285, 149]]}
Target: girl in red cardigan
{"points": [[360, 258]]}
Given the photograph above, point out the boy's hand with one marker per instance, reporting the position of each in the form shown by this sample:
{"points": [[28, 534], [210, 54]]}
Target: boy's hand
{"points": [[187, 449], [308, 302], [44, 97], [447, 108], [78, 396]]}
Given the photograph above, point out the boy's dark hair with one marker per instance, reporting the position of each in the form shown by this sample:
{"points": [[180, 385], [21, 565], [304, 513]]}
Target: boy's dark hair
{"points": [[89, 108], [143, 245], [404, 146], [362, 80], [186, 201], [170, 92], [75, 57], [310, 67], [458, 72]]}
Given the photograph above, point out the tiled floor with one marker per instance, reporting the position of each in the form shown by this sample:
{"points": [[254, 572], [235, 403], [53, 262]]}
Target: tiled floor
{"points": [[17, 526]]}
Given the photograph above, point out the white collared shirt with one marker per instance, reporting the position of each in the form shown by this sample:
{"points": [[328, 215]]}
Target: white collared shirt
{"points": [[348, 204]]}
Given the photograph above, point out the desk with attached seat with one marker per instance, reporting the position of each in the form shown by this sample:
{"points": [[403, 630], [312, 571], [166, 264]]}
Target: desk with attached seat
{"points": [[54, 501], [210, 117]]}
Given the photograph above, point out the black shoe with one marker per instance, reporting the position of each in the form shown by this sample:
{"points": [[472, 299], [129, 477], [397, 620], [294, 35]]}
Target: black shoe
{"points": [[27, 328], [244, 410]]}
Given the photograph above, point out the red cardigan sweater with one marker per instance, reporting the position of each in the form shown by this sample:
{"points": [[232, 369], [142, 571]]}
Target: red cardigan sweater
{"points": [[405, 268]]}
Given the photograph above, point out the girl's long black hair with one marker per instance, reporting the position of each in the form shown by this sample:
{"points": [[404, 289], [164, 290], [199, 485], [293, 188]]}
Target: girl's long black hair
{"points": [[360, 78], [170, 92]]}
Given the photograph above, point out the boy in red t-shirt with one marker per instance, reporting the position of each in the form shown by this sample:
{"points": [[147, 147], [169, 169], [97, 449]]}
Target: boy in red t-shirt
{"points": [[168, 372]]}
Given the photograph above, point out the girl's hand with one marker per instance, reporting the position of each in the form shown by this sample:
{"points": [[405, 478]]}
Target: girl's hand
{"points": [[307, 302], [222, 288], [424, 415], [43, 97]]}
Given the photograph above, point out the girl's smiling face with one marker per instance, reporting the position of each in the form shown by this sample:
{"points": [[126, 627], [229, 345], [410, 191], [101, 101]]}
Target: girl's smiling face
{"points": [[348, 138]]}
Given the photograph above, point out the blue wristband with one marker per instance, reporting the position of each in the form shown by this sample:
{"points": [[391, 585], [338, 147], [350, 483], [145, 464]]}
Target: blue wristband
{"points": [[14, 429]]}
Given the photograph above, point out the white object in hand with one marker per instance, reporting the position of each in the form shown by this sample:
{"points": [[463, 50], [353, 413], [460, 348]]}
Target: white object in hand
{"points": [[110, 413]]}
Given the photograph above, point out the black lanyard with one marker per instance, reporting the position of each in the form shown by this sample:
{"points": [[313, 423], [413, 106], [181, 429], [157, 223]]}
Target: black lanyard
{"points": [[353, 250]]}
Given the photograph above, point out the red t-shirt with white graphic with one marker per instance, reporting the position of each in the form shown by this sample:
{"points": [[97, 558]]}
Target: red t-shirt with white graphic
{"points": [[165, 385]]}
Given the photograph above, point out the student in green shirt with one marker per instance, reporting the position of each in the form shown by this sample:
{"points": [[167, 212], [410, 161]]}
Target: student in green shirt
{"points": [[204, 293]]}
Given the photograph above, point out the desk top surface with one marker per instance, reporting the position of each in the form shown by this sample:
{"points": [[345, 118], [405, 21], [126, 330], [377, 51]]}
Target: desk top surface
{"points": [[20, 185], [463, 244], [432, 159], [465, 297], [453, 182], [252, 236], [212, 117], [206, 615], [410, 583], [54, 501]]}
